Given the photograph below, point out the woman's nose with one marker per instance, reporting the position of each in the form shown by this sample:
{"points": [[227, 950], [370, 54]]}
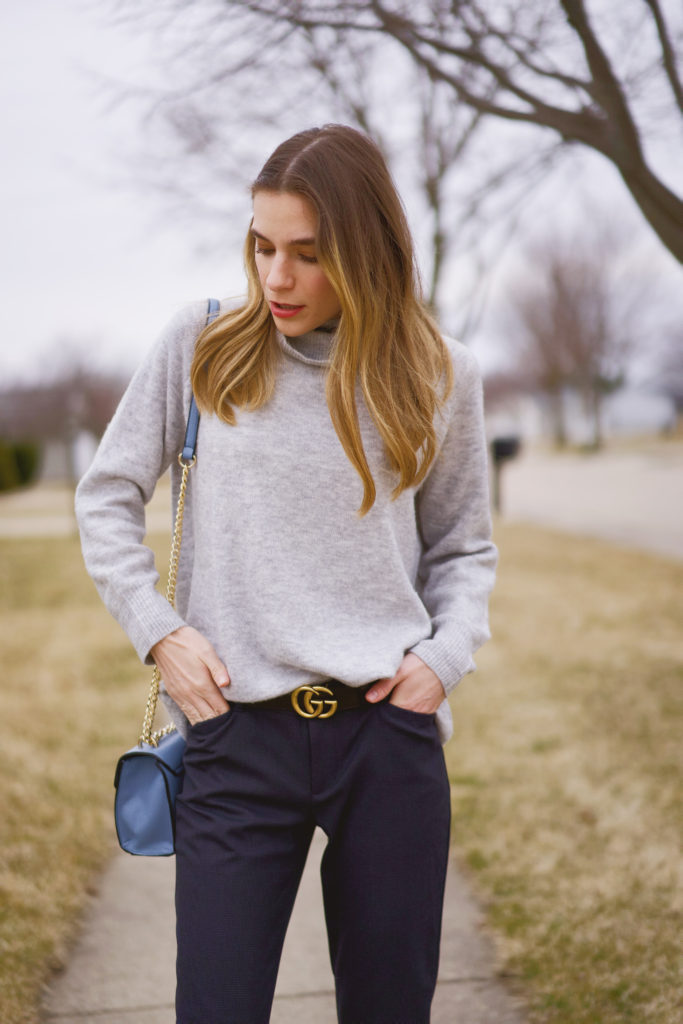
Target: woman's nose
{"points": [[280, 274]]}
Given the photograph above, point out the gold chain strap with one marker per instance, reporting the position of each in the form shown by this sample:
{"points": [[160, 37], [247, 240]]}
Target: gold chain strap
{"points": [[147, 736]]}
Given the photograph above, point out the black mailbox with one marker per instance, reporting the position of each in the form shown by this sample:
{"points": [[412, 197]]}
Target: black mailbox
{"points": [[502, 450]]}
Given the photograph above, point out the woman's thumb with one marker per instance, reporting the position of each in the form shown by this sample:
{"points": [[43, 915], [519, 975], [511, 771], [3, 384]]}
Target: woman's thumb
{"points": [[219, 672], [381, 688]]}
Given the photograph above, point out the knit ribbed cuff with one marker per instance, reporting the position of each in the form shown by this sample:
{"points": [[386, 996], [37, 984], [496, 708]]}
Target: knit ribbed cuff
{"points": [[148, 618], [450, 664]]}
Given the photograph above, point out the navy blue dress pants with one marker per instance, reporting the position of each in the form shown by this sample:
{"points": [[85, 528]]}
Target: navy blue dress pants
{"points": [[257, 782]]}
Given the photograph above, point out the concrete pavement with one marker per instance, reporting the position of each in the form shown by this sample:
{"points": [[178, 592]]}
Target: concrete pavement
{"points": [[122, 968], [631, 496]]}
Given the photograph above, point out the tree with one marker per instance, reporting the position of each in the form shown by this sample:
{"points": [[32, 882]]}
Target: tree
{"points": [[565, 66], [577, 315], [667, 371], [58, 410], [224, 60], [542, 316]]}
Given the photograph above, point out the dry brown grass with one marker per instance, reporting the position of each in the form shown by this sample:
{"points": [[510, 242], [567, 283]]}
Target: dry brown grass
{"points": [[72, 694], [566, 765]]}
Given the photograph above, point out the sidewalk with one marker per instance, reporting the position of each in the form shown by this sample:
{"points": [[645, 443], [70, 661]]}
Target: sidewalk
{"points": [[632, 497], [122, 968]]}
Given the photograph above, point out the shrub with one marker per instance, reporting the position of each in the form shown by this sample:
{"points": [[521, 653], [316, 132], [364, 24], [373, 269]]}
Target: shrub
{"points": [[19, 463]]}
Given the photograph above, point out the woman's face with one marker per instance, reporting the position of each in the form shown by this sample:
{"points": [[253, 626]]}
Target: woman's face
{"points": [[299, 294]]}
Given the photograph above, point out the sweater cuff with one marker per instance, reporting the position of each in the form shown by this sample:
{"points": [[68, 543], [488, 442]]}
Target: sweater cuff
{"points": [[450, 664], [149, 618]]}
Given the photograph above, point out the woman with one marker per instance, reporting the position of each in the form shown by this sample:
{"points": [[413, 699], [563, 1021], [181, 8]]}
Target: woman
{"points": [[332, 589]]}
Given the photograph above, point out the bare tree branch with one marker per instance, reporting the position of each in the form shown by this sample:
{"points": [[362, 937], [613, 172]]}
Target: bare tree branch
{"points": [[451, 43], [620, 127], [668, 52], [579, 316]]}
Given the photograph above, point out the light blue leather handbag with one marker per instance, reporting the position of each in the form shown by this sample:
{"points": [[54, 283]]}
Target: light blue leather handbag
{"points": [[148, 779], [149, 776]]}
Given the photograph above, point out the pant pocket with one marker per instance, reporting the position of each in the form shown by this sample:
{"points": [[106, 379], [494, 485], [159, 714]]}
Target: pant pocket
{"points": [[409, 721]]}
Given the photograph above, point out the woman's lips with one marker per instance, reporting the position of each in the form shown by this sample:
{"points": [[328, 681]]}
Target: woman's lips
{"points": [[283, 310]]}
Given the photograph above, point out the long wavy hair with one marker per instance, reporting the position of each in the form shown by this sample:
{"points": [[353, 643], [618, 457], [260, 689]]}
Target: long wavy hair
{"points": [[386, 340]]}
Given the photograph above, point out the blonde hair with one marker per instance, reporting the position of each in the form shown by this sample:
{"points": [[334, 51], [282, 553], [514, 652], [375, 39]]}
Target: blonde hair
{"points": [[386, 340]]}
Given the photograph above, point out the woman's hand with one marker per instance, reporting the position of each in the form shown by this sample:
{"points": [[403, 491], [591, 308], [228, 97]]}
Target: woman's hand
{"points": [[414, 686], [193, 674]]}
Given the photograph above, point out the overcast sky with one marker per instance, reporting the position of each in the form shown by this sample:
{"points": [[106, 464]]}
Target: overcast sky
{"points": [[83, 257], [88, 262]]}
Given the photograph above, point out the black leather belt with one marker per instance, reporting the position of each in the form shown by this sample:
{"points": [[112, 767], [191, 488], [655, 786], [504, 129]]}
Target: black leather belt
{"points": [[321, 700]]}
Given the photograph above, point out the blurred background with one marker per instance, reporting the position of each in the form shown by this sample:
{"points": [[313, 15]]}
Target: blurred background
{"points": [[538, 148], [540, 185]]}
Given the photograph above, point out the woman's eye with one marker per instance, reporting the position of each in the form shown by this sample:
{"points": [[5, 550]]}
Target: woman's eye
{"points": [[260, 250]]}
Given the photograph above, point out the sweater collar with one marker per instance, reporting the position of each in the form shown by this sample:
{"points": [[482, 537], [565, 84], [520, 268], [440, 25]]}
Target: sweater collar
{"points": [[314, 347]]}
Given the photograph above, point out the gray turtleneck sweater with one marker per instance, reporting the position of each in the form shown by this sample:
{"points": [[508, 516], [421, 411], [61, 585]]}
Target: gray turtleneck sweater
{"points": [[277, 569]]}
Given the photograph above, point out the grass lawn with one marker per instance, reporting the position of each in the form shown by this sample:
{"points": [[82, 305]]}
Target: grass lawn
{"points": [[72, 694], [566, 770], [565, 767]]}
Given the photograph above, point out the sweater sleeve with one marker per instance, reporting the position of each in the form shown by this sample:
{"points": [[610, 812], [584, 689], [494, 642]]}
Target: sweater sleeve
{"points": [[458, 563], [139, 444]]}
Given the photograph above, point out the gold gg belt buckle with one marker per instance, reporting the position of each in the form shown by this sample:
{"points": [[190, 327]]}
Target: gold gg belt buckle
{"points": [[308, 702]]}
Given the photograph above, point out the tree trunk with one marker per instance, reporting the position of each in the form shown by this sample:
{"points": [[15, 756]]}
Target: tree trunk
{"points": [[438, 246], [596, 400], [662, 209], [559, 425]]}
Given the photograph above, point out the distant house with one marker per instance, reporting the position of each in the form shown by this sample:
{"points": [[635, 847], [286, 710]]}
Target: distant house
{"points": [[58, 462]]}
